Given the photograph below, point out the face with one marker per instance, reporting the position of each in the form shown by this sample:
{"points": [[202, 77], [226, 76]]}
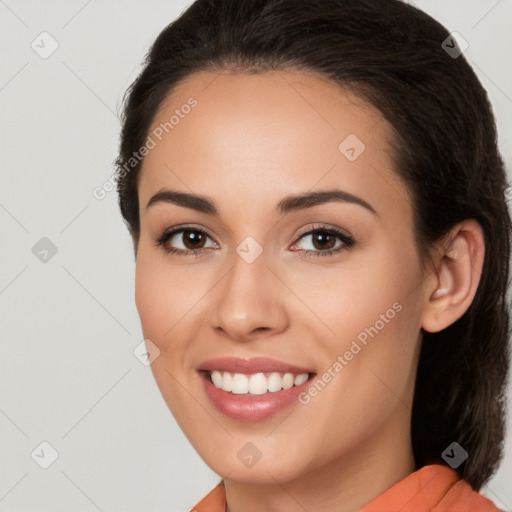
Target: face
{"points": [[266, 282]]}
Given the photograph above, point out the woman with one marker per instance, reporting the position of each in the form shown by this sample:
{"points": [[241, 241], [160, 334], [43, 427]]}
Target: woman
{"points": [[317, 207]]}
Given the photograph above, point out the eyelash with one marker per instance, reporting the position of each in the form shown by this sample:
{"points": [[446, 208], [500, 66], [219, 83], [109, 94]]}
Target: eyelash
{"points": [[348, 242]]}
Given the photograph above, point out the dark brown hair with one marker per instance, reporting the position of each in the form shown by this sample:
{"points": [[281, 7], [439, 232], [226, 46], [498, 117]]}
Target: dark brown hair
{"points": [[444, 148]]}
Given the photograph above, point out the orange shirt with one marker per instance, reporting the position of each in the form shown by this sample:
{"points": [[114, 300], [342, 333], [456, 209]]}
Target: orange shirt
{"points": [[432, 488]]}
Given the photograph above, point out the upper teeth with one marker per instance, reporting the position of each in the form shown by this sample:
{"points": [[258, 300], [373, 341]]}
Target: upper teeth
{"points": [[256, 383]]}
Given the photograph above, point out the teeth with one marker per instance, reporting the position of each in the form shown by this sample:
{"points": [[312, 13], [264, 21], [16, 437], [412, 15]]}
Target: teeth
{"points": [[240, 384], [217, 379], [227, 381], [300, 379], [275, 382], [288, 380], [257, 383]]}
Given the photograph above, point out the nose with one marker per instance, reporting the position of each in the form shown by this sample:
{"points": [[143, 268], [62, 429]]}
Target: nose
{"points": [[250, 301]]}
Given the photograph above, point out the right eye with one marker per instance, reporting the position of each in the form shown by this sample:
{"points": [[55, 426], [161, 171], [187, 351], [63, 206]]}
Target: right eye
{"points": [[192, 239]]}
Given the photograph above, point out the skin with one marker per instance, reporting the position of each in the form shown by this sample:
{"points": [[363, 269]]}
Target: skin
{"points": [[251, 141]]}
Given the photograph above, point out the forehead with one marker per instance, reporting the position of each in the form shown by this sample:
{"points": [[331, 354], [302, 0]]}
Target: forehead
{"points": [[268, 134]]}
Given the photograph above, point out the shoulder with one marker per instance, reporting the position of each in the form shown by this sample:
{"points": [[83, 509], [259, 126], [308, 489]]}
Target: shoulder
{"points": [[214, 501], [432, 488], [462, 497]]}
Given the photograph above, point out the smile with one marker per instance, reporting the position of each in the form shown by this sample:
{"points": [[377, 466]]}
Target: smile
{"points": [[253, 389], [256, 383]]}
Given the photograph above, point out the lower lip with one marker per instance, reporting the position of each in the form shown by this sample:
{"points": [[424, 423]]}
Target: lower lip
{"points": [[251, 407]]}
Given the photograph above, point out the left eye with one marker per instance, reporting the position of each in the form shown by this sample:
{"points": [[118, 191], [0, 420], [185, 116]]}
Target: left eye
{"points": [[324, 241]]}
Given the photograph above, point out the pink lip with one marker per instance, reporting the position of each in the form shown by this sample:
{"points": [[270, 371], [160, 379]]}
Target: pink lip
{"points": [[250, 407], [253, 365]]}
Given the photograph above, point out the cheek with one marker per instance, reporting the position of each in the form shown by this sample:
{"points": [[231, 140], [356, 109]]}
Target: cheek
{"points": [[380, 325], [354, 296], [155, 296], [147, 296], [160, 306], [372, 313], [167, 297]]}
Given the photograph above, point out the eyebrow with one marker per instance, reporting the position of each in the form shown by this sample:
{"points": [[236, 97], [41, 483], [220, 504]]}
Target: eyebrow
{"points": [[288, 204]]}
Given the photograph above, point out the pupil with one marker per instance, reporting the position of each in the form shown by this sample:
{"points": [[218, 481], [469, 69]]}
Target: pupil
{"points": [[192, 237], [323, 240]]}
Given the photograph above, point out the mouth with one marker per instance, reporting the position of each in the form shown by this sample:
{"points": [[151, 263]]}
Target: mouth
{"points": [[255, 384], [253, 389]]}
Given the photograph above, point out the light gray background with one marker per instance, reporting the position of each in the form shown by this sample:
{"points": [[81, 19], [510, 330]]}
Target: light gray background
{"points": [[69, 326]]}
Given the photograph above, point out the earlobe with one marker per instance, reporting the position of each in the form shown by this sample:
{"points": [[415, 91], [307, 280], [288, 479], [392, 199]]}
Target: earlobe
{"points": [[455, 279]]}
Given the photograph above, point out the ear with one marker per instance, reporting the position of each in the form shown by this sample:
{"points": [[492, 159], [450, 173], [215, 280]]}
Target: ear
{"points": [[451, 287]]}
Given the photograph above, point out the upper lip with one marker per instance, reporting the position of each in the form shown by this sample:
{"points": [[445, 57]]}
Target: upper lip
{"points": [[251, 365]]}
